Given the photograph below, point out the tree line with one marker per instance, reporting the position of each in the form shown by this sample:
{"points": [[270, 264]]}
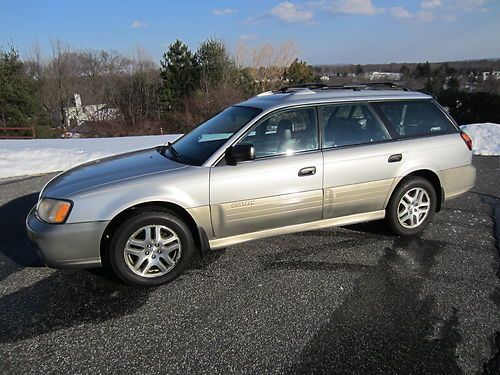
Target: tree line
{"points": [[186, 88]]}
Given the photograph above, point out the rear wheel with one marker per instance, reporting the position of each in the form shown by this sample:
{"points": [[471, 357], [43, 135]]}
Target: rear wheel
{"points": [[151, 248], [411, 207]]}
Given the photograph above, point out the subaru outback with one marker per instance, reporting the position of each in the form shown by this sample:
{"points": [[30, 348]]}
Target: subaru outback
{"points": [[297, 159]]}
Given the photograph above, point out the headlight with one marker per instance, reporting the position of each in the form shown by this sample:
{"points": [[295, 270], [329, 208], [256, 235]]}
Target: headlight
{"points": [[53, 210]]}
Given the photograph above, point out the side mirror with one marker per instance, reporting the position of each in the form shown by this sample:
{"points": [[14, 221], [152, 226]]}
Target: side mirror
{"points": [[241, 152]]}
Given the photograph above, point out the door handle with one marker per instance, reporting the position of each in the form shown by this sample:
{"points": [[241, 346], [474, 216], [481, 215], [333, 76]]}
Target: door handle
{"points": [[395, 158], [307, 171]]}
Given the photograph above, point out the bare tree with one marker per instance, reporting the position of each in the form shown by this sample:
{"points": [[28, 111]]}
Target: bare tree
{"points": [[267, 62], [136, 92], [57, 89]]}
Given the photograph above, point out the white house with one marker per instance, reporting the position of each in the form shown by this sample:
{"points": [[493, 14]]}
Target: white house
{"points": [[384, 75], [494, 74], [80, 114]]}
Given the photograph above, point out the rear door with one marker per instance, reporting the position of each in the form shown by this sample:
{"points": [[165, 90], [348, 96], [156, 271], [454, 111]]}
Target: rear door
{"points": [[360, 160]]}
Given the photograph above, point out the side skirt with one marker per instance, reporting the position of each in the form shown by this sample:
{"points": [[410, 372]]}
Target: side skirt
{"points": [[334, 222]]}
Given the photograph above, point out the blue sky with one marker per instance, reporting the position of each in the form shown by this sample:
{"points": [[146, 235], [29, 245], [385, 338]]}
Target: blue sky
{"points": [[325, 31]]}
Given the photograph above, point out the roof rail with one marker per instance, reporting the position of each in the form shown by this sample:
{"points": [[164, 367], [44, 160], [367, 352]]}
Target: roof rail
{"points": [[384, 85], [302, 86], [353, 86]]}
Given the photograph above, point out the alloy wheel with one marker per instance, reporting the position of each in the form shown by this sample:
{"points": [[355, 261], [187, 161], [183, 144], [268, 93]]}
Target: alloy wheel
{"points": [[414, 207], [152, 251]]}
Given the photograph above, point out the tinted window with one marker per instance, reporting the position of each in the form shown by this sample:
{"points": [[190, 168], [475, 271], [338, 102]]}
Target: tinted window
{"points": [[284, 133], [198, 145], [414, 118], [350, 124]]}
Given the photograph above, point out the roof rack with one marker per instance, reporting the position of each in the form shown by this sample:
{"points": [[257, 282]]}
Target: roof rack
{"points": [[302, 86], [354, 87], [383, 85]]}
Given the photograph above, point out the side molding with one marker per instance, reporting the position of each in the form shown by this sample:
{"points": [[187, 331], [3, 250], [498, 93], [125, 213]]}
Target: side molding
{"points": [[338, 221]]}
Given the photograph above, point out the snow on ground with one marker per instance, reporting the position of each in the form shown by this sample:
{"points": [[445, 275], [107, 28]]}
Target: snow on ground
{"points": [[485, 138], [21, 157]]}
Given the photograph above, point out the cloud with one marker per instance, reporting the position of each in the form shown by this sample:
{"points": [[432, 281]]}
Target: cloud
{"points": [[400, 12], [249, 37], [425, 16], [288, 12], [364, 7], [433, 10], [468, 5], [450, 17], [139, 24], [224, 12], [429, 4]]}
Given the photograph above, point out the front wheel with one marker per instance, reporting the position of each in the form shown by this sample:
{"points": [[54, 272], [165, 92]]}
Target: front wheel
{"points": [[411, 207], [151, 248]]}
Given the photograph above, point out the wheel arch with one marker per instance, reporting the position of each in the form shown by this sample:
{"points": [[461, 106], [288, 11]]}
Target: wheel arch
{"points": [[430, 176], [198, 233]]}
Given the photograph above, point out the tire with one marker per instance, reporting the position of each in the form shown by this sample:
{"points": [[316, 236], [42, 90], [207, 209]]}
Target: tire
{"points": [[150, 261], [409, 216]]}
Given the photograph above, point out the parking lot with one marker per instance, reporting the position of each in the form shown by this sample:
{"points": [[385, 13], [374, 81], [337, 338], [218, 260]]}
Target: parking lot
{"points": [[341, 300]]}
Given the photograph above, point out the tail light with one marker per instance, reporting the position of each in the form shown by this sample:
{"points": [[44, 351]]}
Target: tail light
{"points": [[467, 139]]}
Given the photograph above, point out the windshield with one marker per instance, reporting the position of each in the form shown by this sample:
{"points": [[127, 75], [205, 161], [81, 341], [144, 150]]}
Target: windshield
{"points": [[197, 146]]}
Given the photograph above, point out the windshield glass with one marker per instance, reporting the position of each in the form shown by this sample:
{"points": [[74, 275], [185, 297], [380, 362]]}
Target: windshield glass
{"points": [[198, 145]]}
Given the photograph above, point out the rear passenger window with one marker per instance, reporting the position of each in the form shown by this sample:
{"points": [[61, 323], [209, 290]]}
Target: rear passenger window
{"points": [[349, 124], [415, 118]]}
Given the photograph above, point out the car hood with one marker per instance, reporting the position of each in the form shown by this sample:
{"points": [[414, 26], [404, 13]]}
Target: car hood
{"points": [[108, 170]]}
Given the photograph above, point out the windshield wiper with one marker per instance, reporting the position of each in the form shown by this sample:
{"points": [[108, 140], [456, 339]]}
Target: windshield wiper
{"points": [[168, 146], [174, 152]]}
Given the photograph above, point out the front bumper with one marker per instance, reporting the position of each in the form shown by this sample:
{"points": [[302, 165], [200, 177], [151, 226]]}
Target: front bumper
{"points": [[67, 245]]}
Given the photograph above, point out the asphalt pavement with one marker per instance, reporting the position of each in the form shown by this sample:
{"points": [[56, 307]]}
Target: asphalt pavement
{"points": [[351, 300]]}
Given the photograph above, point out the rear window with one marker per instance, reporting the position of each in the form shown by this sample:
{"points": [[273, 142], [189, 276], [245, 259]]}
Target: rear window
{"points": [[415, 118]]}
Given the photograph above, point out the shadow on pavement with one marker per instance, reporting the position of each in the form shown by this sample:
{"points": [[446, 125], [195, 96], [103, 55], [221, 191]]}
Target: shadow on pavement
{"points": [[65, 299], [387, 325], [14, 242], [378, 227]]}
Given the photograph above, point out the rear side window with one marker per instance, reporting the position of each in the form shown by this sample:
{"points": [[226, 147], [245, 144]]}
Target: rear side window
{"points": [[349, 124], [415, 118]]}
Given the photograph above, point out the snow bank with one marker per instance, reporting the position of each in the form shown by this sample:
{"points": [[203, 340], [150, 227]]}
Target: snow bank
{"points": [[21, 157], [27, 157], [485, 138]]}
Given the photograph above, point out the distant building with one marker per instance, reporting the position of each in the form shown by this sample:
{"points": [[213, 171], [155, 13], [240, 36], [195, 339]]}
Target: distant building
{"points": [[494, 74], [325, 78], [79, 114], [384, 75]]}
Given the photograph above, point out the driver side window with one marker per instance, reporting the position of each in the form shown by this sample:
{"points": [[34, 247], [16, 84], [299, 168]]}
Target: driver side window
{"points": [[284, 133]]}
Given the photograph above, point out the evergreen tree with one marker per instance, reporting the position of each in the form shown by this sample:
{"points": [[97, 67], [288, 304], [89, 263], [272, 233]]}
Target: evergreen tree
{"points": [[245, 82], [299, 72], [453, 84], [405, 71], [423, 70], [359, 70], [17, 90], [180, 74], [215, 64]]}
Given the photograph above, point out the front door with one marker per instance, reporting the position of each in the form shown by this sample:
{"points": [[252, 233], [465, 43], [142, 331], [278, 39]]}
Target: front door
{"points": [[281, 187]]}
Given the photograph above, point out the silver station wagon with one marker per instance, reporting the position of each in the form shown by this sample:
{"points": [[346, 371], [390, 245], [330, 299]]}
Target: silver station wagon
{"points": [[297, 159]]}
